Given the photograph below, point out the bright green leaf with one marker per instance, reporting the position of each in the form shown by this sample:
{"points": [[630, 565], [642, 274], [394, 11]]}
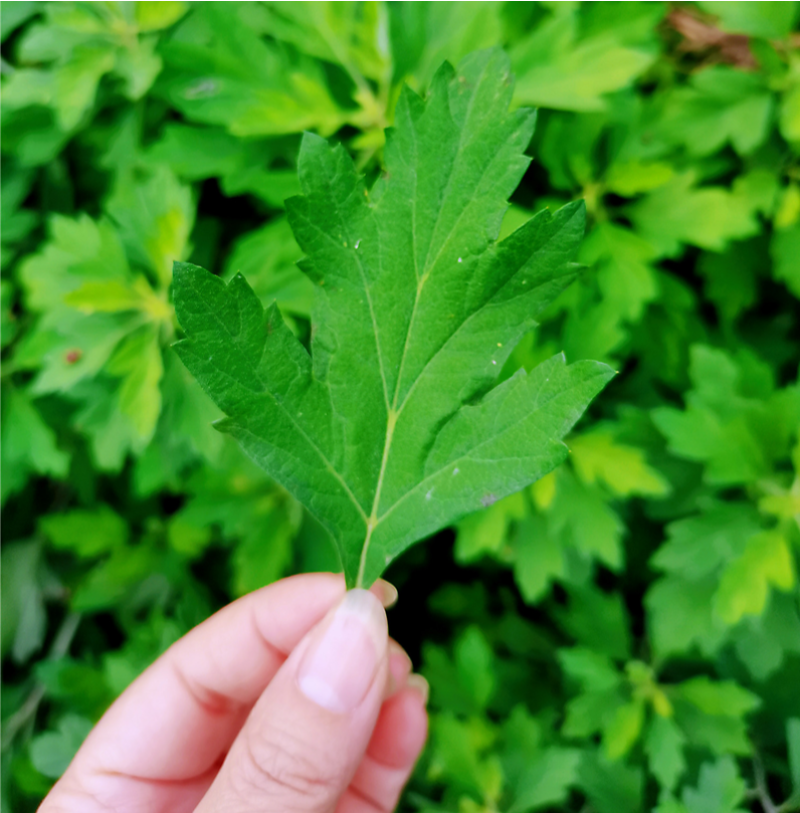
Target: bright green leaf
{"points": [[681, 212], [725, 698], [387, 344], [598, 456], [744, 589], [559, 72], [87, 533], [623, 729], [764, 19]]}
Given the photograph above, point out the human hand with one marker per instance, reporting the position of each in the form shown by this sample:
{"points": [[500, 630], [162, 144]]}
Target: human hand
{"points": [[292, 698]]}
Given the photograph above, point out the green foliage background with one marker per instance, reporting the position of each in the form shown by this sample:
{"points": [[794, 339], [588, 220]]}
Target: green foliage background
{"points": [[623, 636]]}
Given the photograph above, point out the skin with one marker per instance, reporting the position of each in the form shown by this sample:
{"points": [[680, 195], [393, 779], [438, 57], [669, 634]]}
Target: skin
{"points": [[222, 721]]}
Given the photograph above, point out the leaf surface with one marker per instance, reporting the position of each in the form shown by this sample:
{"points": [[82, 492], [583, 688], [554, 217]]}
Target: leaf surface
{"points": [[393, 426]]}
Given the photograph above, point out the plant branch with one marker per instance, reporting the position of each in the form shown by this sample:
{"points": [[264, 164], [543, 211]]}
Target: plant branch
{"points": [[27, 711]]}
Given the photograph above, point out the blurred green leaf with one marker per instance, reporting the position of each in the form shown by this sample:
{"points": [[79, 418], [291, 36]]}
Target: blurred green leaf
{"points": [[769, 19], [719, 790], [52, 751], [87, 533], [29, 445], [24, 620], [664, 745]]}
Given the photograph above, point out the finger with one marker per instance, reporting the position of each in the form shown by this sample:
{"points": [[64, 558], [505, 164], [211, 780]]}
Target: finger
{"points": [[399, 668], [396, 744], [175, 723], [309, 731]]}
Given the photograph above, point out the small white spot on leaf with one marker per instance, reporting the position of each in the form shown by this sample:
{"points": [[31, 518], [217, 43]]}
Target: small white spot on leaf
{"points": [[460, 260], [488, 499], [358, 243], [456, 471], [429, 494], [493, 361]]}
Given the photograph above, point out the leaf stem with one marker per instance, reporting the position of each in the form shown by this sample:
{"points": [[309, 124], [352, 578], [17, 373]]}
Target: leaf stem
{"points": [[27, 712], [372, 523]]}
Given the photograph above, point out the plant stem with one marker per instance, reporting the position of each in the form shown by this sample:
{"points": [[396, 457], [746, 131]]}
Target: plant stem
{"points": [[27, 712]]}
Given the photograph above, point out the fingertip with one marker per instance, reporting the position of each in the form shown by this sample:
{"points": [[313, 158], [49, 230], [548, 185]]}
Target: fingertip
{"points": [[401, 730], [399, 668], [420, 685], [386, 593]]}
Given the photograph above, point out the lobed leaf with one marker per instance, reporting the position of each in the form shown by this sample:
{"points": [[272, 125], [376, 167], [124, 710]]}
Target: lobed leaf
{"points": [[394, 425]]}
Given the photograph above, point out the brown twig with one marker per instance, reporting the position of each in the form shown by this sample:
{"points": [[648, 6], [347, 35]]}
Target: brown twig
{"points": [[701, 36]]}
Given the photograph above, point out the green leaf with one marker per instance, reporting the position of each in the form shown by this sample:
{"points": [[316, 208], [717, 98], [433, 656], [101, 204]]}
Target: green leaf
{"points": [[784, 249], [793, 742], [153, 16], [731, 277], [679, 615], [14, 15], [344, 33], [138, 362], [79, 250], [423, 35], [624, 271], [24, 618], [267, 258], [222, 72], [76, 683], [721, 104], [598, 621], [87, 533], [790, 115], [107, 583], [372, 432], [612, 787], [623, 729], [255, 563], [745, 586], [664, 746], [29, 445], [598, 456], [546, 780], [583, 519], [770, 20], [475, 664], [764, 642], [154, 219], [52, 751], [538, 559], [725, 698], [699, 545], [681, 212], [486, 531], [719, 790], [595, 671], [559, 70]]}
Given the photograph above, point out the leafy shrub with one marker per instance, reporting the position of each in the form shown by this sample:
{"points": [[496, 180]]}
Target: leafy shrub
{"points": [[622, 635]]}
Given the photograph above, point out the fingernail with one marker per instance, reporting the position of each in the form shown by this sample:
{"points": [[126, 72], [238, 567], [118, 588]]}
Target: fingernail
{"points": [[388, 593], [338, 670], [420, 685]]}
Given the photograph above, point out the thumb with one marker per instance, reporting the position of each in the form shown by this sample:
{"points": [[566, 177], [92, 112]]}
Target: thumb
{"points": [[308, 732]]}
